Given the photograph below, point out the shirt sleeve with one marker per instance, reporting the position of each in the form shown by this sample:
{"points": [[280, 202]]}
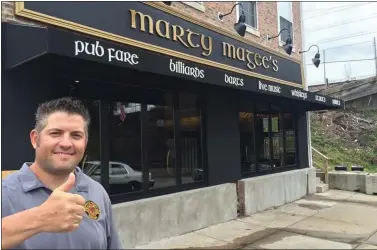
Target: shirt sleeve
{"points": [[113, 241], [6, 204]]}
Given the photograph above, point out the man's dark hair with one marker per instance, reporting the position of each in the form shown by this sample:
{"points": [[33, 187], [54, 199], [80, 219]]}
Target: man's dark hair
{"points": [[65, 104]]}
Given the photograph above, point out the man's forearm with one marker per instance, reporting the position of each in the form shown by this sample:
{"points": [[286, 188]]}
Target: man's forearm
{"points": [[19, 227]]}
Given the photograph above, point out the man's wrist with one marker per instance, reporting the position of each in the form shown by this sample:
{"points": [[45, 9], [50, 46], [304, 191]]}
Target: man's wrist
{"points": [[37, 222]]}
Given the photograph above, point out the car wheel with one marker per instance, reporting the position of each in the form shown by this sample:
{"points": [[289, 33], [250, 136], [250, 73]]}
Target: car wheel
{"points": [[135, 186]]}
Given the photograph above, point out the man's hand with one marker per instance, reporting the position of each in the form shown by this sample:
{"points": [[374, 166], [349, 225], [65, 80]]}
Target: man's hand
{"points": [[62, 211]]}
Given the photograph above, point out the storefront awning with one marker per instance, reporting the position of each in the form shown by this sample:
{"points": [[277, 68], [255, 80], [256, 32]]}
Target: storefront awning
{"points": [[23, 43]]}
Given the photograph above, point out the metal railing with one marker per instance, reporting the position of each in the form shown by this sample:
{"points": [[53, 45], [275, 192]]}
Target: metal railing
{"points": [[322, 162]]}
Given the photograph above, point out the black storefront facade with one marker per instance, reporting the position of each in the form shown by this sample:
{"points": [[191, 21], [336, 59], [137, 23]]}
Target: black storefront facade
{"points": [[175, 104]]}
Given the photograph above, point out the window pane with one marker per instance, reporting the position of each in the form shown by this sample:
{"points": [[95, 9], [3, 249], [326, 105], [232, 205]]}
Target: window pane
{"points": [[250, 13], [277, 138], [285, 10], [125, 149], [90, 163], [248, 164], [191, 167], [161, 149], [284, 24], [290, 139], [262, 140]]}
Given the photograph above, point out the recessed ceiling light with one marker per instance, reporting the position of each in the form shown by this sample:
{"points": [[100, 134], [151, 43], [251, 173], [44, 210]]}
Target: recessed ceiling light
{"points": [[77, 81]]}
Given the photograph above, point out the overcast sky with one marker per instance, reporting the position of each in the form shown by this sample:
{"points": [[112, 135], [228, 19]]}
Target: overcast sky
{"points": [[318, 17]]}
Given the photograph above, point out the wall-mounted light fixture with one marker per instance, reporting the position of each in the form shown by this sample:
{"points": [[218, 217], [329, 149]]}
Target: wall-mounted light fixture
{"points": [[167, 3], [240, 26], [288, 43], [316, 61]]}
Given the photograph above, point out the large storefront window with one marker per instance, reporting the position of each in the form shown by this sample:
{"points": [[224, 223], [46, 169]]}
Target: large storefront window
{"points": [[125, 173], [148, 141], [91, 160], [267, 139], [277, 158], [161, 150], [262, 136], [190, 137], [290, 139]]}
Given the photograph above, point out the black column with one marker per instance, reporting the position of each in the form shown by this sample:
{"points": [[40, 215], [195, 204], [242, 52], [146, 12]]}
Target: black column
{"points": [[223, 138], [104, 143], [302, 139]]}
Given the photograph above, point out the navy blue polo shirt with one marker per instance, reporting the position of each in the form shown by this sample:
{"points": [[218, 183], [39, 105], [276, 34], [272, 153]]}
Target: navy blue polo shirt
{"points": [[23, 190]]}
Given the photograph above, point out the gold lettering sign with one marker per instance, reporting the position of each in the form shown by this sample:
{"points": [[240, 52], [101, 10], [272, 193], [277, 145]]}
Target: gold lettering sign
{"points": [[191, 39], [176, 33], [253, 59]]}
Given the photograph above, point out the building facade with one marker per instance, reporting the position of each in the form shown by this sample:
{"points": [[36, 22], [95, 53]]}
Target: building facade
{"points": [[178, 99]]}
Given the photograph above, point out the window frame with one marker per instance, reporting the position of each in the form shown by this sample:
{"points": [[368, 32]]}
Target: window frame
{"points": [[281, 43], [198, 5], [250, 29]]}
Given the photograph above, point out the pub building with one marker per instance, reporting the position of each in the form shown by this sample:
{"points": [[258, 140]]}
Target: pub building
{"points": [[176, 103]]}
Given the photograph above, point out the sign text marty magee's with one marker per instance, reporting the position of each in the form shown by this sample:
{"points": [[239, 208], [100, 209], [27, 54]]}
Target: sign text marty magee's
{"points": [[191, 39]]}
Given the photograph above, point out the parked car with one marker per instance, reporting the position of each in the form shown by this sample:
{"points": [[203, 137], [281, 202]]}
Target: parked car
{"points": [[121, 175]]}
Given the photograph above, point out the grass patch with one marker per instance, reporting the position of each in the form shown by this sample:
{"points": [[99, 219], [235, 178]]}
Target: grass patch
{"points": [[341, 149]]}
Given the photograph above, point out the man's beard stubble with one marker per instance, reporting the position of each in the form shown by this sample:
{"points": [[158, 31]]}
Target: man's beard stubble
{"points": [[48, 167]]}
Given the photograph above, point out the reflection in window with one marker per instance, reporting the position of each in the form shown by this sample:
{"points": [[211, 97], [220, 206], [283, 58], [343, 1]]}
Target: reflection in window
{"points": [[262, 139], [125, 150], [277, 138], [290, 139], [190, 136], [90, 162], [161, 149]]}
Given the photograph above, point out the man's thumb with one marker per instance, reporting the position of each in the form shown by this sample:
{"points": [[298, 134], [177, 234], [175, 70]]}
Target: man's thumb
{"points": [[66, 186]]}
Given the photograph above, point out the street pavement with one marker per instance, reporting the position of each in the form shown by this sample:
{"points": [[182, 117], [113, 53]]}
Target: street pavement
{"points": [[331, 220]]}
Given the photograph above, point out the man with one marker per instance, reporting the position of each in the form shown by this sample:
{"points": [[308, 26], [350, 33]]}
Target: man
{"points": [[52, 203]]}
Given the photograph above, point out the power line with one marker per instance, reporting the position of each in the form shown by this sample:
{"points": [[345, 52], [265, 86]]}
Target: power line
{"points": [[348, 45], [346, 37], [335, 7], [342, 23], [331, 12], [358, 77], [355, 60]]}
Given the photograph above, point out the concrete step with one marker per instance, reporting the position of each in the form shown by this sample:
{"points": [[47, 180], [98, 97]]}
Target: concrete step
{"points": [[321, 188], [318, 180]]}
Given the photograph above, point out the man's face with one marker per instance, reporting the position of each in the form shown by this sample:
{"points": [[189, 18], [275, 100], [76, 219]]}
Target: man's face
{"points": [[60, 146]]}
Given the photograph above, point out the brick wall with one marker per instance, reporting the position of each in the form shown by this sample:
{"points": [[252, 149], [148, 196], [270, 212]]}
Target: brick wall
{"points": [[7, 14], [267, 20]]}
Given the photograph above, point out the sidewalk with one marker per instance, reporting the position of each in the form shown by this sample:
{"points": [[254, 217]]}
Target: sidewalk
{"points": [[332, 220]]}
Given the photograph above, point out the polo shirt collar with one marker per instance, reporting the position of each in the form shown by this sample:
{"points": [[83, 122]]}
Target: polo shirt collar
{"points": [[29, 181]]}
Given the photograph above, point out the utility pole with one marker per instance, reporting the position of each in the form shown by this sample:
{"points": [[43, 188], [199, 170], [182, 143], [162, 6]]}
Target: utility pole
{"points": [[375, 53], [324, 68]]}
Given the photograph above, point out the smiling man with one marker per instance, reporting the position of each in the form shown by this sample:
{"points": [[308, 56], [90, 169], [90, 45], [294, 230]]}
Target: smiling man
{"points": [[52, 203]]}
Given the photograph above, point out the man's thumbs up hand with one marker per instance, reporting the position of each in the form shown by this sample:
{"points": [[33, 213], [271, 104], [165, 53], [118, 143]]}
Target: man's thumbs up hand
{"points": [[66, 186], [62, 211]]}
